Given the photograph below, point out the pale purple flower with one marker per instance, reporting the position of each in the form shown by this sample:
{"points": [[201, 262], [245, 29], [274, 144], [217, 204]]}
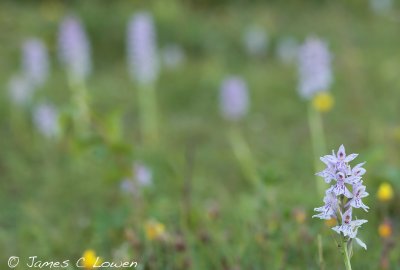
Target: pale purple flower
{"points": [[287, 50], [128, 186], [255, 40], [45, 118], [340, 187], [329, 209], [173, 56], [349, 227], [314, 67], [358, 170], [381, 6], [338, 198], [21, 90], [358, 193], [143, 63], [35, 61], [74, 48], [337, 162], [234, 101], [143, 174]]}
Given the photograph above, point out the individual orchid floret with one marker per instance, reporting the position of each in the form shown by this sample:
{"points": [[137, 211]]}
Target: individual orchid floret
{"points": [[329, 209], [74, 48], [358, 170], [349, 227], [143, 62], [342, 197], [358, 193], [315, 74], [340, 187], [35, 61], [234, 100]]}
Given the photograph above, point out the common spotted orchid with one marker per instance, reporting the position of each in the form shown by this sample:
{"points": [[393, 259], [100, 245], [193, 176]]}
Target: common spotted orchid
{"points": [[345, 194]]}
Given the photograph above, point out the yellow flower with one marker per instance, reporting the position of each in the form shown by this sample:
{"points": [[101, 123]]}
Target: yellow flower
{"points": [[154, 230], [330, 222], [396, 133], [385, 192], [323, 101], [90, 259], [385, 230], [299, 215]]}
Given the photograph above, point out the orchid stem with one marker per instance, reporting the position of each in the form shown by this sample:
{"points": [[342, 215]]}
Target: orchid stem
{"points": [[318, 142], [148, 114], [244, 156], [345, 253]]}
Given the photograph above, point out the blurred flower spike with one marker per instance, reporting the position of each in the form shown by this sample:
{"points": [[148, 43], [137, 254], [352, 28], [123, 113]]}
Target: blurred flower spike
{"points": [[314, 67], [234, 100], [339, 199], [20, 90], [35, 61], [90, 260], [385, 192], [323, 101], [154, 230], [255, 40], [46, 120], [74, 48], [143, 62]]}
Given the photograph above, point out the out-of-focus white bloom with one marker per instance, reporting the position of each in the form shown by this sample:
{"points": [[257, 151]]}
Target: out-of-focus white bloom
{"points": [[173, 56], [45, 118], [255, 40], [74, 48], [143, 63], [35, 61], [381, 6], [315, 72], [141, 177], [143, 174], [20, 90], [287, 50], [128, 186], [234, 101]]}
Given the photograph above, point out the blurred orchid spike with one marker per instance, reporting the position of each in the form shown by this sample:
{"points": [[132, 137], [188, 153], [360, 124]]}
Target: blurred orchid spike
{"points": [[45, 118], [173, 56], [381, 6], [35, 61], [20, 90], [143, 63], [314, 68], [143, 174], [234, 101], [287, 50], [74, 48], [255, 40]]}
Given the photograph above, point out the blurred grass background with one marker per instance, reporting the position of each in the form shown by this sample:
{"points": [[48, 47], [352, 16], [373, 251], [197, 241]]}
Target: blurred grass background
{"points": [[57, 202]]}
